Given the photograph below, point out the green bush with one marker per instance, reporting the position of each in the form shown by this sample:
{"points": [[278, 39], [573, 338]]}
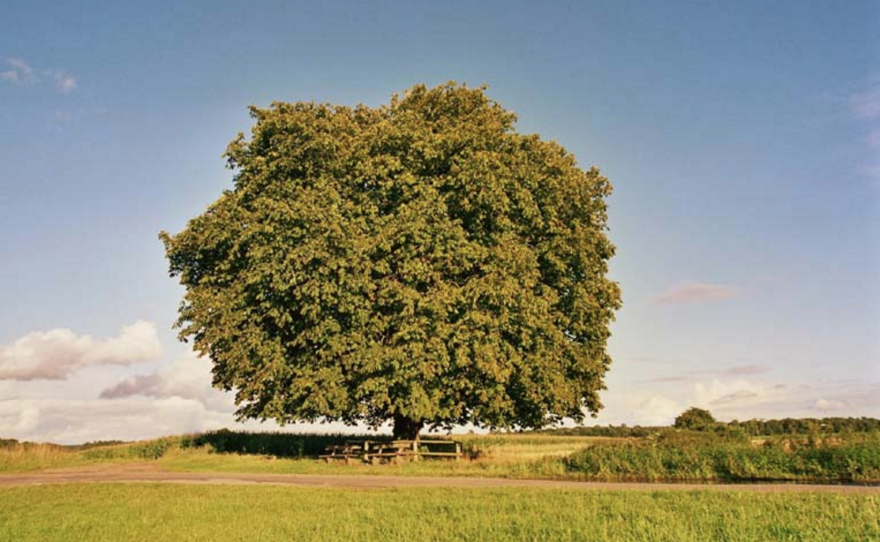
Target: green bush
{"points": [[277, 444], [149, 450], [687, 455]]}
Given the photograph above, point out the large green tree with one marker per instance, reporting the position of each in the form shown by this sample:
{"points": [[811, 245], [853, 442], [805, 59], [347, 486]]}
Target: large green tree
{"points": [[420, 262], [695, 418]]}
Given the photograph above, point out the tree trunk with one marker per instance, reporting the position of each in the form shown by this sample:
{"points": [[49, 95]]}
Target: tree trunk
{"points": [[406, 428]]}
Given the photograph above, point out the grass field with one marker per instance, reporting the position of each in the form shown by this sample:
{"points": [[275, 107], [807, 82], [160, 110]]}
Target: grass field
{"points": [[667, 455], [156, 512]]}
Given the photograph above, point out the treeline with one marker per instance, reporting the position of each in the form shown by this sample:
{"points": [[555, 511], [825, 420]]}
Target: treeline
{"points": [[619, 431], [784, 426], [806, 426]]}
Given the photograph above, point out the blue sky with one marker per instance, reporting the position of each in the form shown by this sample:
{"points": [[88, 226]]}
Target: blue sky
{"points": [[742, 138]]}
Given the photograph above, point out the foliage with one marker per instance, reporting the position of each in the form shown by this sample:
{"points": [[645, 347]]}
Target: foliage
{"points": [[146, 450], [675, 455], [419, 261], [275, 444], [804, 426], [785, 426], [160, 512], [669, 454], [695, 418], [623, 431]]}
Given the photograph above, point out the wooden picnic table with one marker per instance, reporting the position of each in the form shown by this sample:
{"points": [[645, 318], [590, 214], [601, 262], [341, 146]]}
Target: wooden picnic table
{"points": [[396, 450]]}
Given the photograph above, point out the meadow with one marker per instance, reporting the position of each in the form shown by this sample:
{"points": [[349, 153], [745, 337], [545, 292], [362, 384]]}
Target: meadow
{"points": [[664, 454], [171, 511], [150, 512]]}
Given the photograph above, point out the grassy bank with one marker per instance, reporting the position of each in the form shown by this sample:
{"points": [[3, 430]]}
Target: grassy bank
{"points": [[147, 512], [681, 456]]}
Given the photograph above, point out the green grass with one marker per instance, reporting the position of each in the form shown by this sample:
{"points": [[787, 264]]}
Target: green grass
{"points": [[665, 455], [205, 461], [156, 512], [681, 456]]}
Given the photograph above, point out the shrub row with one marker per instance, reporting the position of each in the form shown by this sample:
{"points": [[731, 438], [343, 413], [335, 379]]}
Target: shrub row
{"points": [[679, 457]]}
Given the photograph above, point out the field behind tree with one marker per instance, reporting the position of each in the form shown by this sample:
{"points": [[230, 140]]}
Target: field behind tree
{"points": [[724, 454], [147, 511]]}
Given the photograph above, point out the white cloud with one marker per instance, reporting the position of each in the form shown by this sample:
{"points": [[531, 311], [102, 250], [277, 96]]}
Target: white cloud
{"points": [[719, 392], [64, 82], [696, 292], [746, 370], [55, 354], [825, 404], [657, 410], [659, 402], [133, 418], [19, 72], [188, 378]]}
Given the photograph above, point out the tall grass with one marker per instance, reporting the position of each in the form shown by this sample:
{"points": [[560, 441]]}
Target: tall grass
{"points": [[681, 456], [27, 456]]}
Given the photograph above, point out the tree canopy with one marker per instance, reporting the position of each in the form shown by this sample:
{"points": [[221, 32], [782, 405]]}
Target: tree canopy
{"points": [[420, 261], [695, 418]]}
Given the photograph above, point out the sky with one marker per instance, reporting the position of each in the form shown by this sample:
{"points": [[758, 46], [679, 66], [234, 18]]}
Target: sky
{"points": [[742, 140]]}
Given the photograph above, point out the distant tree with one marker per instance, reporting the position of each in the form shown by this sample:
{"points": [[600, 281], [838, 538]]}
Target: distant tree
{"points": [[695, 418], [420, 262]]}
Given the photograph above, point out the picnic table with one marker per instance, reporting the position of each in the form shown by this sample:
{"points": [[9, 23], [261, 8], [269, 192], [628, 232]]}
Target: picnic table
{"points": [[393, 451]]}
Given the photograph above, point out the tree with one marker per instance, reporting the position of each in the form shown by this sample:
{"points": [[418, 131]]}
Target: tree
{"points": [[695, 418], [419, 261]]}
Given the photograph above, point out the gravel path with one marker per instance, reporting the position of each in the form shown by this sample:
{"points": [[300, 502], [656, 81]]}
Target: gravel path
{"points": [[149, 473]]}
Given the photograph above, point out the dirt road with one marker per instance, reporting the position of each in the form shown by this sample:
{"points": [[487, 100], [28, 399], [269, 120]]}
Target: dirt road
{"points": [[149, 473]]}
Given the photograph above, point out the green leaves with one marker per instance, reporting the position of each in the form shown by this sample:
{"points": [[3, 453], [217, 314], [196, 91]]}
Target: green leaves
{"points": [[420, 259]]}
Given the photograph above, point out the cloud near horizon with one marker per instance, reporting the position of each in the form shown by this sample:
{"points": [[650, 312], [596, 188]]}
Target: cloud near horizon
{"points": [[55, 354], [726, 399], [741, 370], [177, 398], [696, 292], [187, 378]]}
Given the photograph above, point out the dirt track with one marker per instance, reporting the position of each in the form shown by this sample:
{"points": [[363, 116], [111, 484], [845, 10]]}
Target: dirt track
{"points": [[149, 473]]}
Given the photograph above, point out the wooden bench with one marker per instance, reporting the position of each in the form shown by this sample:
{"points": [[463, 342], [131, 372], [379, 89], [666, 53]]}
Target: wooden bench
{"points": [[393, 451], [346, 452]]}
